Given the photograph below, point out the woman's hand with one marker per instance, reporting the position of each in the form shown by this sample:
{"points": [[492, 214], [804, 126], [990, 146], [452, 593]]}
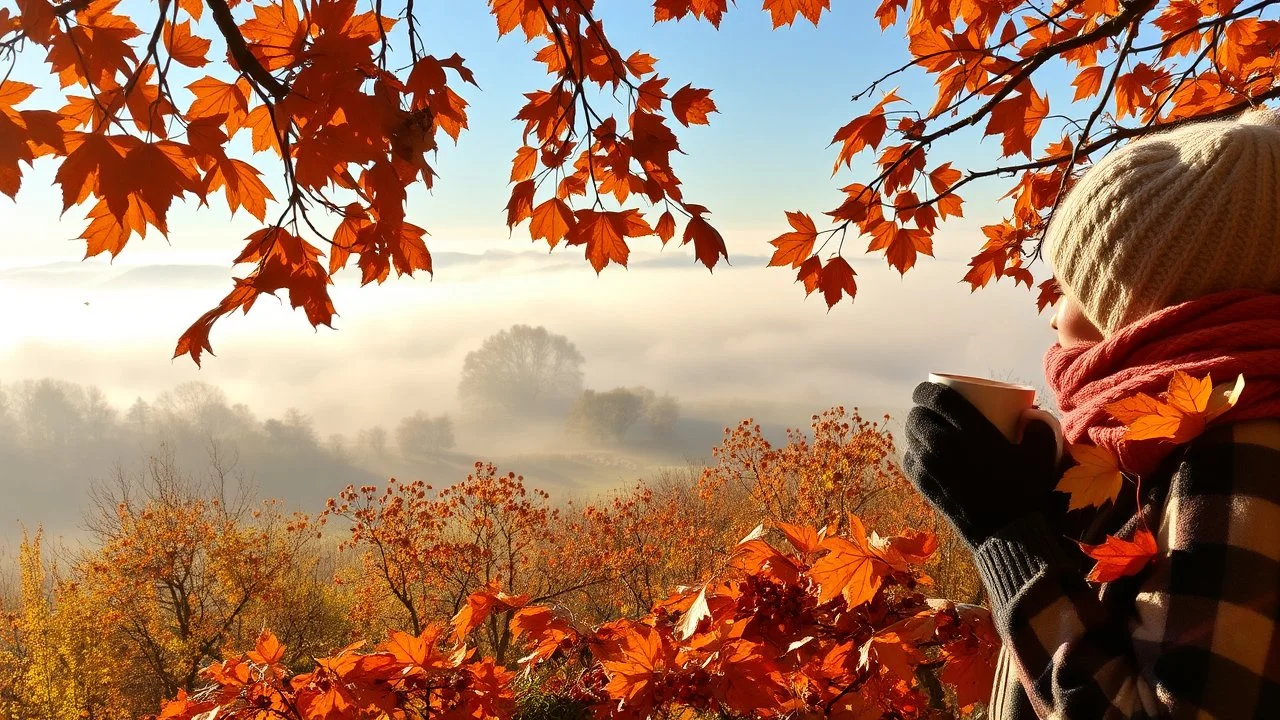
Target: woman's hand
{"points": [[969, 471]]}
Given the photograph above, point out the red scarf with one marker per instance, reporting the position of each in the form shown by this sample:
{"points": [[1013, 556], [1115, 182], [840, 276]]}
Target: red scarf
{"points": [[1225, 335]]}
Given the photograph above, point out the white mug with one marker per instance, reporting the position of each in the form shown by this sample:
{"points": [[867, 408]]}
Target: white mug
{"points": [[1008, 406]]}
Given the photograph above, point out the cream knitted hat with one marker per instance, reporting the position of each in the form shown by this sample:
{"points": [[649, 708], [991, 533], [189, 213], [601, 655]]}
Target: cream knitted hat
{"points": [[1171, 217]]}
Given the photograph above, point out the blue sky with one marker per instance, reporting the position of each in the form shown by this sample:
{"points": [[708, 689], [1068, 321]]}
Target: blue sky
{"points": [[743, 335]]}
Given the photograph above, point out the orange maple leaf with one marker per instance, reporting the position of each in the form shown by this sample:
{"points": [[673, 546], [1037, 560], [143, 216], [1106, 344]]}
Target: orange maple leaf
{"points": [[796, 246], [184, 47], [1118, 558], [551, 221], [708, 244], [784, 12], [1088, 82], [1094, 480], [691, 106], [548, 632], [268, 650], [1018, 119], [900, 245], [803, 538], [835, 279], [1181, 413], [850, 568]]}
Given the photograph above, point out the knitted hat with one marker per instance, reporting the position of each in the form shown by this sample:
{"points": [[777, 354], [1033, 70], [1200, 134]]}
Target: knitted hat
{"points": [[1171, 217]]}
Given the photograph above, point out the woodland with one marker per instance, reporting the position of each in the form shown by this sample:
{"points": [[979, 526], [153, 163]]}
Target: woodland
{"points": [[797, 577]]}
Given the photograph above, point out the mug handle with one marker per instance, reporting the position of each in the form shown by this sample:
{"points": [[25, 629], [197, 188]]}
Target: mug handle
{"points": [[1036, 414]]}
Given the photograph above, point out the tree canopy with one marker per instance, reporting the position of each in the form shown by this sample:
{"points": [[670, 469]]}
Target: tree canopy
{"points": [[342, 100]]}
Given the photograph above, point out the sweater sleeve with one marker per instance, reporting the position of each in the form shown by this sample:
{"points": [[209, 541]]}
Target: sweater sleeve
{"points": [[1201, 641]]}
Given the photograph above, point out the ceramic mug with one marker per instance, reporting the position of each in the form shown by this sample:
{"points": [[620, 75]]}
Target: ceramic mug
{"points": [[1008, 406]]}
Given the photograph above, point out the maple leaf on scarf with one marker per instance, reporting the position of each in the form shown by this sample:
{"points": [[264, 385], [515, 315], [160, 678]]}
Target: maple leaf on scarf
{"points": [[1179, 414]]}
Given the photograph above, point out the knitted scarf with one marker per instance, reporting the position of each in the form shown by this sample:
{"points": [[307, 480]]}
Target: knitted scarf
{"points": [[1223, 335]]}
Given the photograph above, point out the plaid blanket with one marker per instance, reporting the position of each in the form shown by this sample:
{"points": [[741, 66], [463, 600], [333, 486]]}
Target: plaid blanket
{"points": [[1191, 636]]}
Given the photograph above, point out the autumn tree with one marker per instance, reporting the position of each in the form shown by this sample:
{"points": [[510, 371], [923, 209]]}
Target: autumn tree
{"points": [[649, 539], [431, 550], [181, 564], [522, 369], [842, 464], [57, 656]]}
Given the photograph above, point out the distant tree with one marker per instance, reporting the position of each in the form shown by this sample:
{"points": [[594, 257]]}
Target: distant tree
{"points": [[294, 431], [50, 412], [138, 418], [99, 416], [8, 419], [199, 407], [522, 370], [608, 416], [421, 436], [371, 442], [662, 413]]}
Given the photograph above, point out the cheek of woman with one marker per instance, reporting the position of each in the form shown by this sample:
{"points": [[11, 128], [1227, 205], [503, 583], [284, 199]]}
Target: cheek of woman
{"points": [[1072, 325]]}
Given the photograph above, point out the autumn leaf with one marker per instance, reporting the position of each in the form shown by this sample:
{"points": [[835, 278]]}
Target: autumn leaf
{"points": [[691, 106], [708, 245], [634, 661], [547, 632], [268, 650], [784, 12], [1181, 414], [1095, 479], [666, 227], [184, 47], [524, 164], [901, 245], [804, 539], [520, 206], [1088, 82], [480, 605], [1116, 558], [794, 247], [865, 131], [835, 279], [215, 97], [849, 568], [1017, 118], [604, 235], [552, 221]]}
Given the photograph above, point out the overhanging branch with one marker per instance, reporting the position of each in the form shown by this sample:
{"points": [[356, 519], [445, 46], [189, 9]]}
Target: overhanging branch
{"points": [[245, 60]]}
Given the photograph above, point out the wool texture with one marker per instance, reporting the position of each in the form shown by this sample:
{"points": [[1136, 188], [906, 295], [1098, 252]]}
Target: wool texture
{"points": [[1223, 335], [1170, 217]]}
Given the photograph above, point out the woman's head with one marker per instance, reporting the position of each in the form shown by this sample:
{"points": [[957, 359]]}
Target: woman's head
{"points": [[1171, 217]]}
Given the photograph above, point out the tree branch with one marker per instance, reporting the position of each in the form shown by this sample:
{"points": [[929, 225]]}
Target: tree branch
{"points": [[239, 50]]}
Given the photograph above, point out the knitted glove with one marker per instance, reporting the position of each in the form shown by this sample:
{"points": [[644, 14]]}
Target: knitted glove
{"points": [[969, 471]]}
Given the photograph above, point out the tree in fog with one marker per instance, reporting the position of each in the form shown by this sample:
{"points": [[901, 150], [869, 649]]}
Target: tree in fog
{"points": [[522, 370], [372, 442], [421, 436], [50, 412], [294, 431], [608, 416], [138, 417]]}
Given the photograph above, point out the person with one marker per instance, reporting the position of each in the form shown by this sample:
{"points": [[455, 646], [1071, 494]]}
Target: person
{"points": [[1166, 254]]}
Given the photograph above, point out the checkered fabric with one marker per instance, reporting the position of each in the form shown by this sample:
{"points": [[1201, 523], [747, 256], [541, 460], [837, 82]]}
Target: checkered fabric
{"points": [[1191, 636]]}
